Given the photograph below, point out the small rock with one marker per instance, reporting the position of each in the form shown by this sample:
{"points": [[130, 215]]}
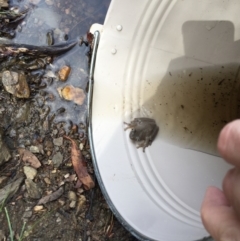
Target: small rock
{"points": [[71, 93], [47, 180], [72, 196], [9, 78], [58, 141], [62, 202], [81, 201], [30, 172], [81, 146], [64, 73], [16, 84], [33, 190], [23, 113], [12, 133], [57, 159], [4, 152], [28, 157], [58, 220], [27, 214], [40, 148], [72, 204], [66, 175], [80, 190], [34, 149], [48, 145], [38, 208], [55, 132]]}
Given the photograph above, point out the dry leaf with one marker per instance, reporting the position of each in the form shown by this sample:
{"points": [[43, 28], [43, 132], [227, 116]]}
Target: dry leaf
{"points": [[71, 93], [28, 157], [51, 197], [79, 167]]}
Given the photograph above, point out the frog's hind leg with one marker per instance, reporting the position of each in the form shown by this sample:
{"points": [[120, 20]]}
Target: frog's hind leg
{"points": [[139, 146], [143, 144]]}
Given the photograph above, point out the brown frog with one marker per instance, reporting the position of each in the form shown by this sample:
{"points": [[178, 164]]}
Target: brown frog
{"points": [[144, 130]]}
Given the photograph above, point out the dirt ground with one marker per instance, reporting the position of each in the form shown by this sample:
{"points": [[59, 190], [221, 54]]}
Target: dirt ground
{"points": [[35, 126]]}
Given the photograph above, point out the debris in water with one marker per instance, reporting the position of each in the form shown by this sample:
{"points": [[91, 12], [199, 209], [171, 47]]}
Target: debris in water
{"points": [[9, 20], [50, 38], [72, 93], [14, 49], [64, 73]]}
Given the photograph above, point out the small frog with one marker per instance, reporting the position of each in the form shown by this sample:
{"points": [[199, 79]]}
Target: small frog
{"points": [[144, 130]]}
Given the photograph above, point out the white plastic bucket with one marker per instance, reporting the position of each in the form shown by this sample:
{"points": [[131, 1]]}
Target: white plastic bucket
{"points": [[145, 48]]}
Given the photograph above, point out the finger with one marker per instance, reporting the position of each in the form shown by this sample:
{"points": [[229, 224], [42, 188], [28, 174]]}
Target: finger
{"points": [[231, 188], [229, 143], [218, 218]]}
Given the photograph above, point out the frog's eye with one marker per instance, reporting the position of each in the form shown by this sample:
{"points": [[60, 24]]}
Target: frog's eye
{"points": [[139, 121]]}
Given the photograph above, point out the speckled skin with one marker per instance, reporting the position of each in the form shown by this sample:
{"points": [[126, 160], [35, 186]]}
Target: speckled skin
{"points": [[144, 130]]}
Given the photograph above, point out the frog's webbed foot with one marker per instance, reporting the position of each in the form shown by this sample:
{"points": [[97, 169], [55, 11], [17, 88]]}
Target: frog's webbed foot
{"points": [[143, 144]]}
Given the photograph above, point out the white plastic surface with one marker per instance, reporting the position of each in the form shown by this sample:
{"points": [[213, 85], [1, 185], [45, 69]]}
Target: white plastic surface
{"points": [[159, 192]]}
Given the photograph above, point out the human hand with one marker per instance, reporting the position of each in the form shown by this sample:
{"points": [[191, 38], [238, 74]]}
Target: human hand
{"points": [[220, 210]]}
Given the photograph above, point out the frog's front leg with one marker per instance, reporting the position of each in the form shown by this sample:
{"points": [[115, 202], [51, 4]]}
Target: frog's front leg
{"points": [[130, 125]]}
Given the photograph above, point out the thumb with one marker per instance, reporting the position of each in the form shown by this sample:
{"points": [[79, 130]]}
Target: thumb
{"points": [[218, 217]]}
